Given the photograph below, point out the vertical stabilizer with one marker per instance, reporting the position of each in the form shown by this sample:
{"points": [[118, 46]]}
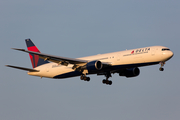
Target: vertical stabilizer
{"points": [[35, 60]]}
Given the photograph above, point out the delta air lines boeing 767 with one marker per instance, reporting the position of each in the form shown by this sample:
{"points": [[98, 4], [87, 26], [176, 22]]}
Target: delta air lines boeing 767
{"points": [[125, 63]]}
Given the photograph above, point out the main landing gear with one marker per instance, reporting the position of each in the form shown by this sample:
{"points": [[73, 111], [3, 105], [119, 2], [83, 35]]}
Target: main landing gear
{"points": [[162, 64], [106, 81], [83, 77]]}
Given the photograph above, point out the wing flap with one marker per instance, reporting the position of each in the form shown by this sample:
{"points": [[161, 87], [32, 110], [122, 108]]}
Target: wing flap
{"points": [[22, 68]]}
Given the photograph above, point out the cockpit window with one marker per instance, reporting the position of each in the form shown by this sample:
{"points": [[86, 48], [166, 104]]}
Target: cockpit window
{"points": [[165, 49]]}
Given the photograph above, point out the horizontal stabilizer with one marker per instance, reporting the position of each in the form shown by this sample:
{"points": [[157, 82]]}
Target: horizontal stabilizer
{"points": [[22, 68]]}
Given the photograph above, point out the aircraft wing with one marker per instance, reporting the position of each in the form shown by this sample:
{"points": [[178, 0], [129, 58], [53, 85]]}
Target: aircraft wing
{"points": [[56, 59], [22, 68], [78, 63]]}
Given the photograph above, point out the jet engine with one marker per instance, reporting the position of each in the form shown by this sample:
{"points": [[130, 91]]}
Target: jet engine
{"points": [[131, 72], [94, 65]]}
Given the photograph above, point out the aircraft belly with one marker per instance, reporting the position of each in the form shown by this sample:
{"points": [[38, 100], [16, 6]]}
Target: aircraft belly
{"points": [[52, 70], [60, 71]]}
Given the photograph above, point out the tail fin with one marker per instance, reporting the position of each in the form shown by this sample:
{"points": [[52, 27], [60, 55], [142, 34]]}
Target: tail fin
{"points": [[35, 60]]}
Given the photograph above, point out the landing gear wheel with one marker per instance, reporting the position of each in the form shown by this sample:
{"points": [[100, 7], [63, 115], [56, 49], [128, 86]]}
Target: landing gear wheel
{"points": [[110, 83], [162, 64], [87, 78], [161, 69], [82, 77], [107, 82], [104, 81]]}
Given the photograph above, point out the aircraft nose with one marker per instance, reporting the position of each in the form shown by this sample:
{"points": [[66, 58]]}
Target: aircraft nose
{"points": [[168, 54], [171, 54]]}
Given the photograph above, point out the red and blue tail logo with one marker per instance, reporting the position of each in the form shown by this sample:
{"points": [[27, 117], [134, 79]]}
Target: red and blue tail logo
{"points": [[35, 60]]}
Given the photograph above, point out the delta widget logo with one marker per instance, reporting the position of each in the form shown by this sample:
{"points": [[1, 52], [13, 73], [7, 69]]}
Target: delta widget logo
{"points": [[132, 52]]}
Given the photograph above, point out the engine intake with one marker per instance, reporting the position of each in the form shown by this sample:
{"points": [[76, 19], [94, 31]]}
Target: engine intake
{"points": [[131, 72]]}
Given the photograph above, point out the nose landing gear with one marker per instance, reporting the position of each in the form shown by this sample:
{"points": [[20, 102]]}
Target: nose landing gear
{"points": [[162, 64]]}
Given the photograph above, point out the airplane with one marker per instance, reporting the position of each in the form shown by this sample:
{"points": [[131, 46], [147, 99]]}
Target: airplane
{"points": [[125, 63]]}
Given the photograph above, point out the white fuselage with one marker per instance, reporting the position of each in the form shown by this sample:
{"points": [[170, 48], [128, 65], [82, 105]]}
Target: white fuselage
{"points": [[139, 57]]}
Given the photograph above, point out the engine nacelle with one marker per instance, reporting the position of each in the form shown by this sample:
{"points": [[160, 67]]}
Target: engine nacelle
{"points": [[131, 72], [94, 65]]}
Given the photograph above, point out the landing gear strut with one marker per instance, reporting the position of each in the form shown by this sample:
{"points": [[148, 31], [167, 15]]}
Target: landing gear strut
{"points": [[106, 81], [162, 64], [83, 77]]}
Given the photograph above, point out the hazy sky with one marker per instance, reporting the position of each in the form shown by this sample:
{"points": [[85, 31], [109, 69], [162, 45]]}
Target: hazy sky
{"points": [[77, 28]]}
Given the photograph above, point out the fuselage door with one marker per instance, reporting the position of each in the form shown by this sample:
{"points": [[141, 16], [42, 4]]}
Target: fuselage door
{"points": [[47, 68], [153, 51], [118, 57]]}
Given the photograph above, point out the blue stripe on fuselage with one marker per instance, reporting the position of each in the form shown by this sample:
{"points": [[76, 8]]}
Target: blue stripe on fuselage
{"points": [[69, 74], [110, 68]]}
